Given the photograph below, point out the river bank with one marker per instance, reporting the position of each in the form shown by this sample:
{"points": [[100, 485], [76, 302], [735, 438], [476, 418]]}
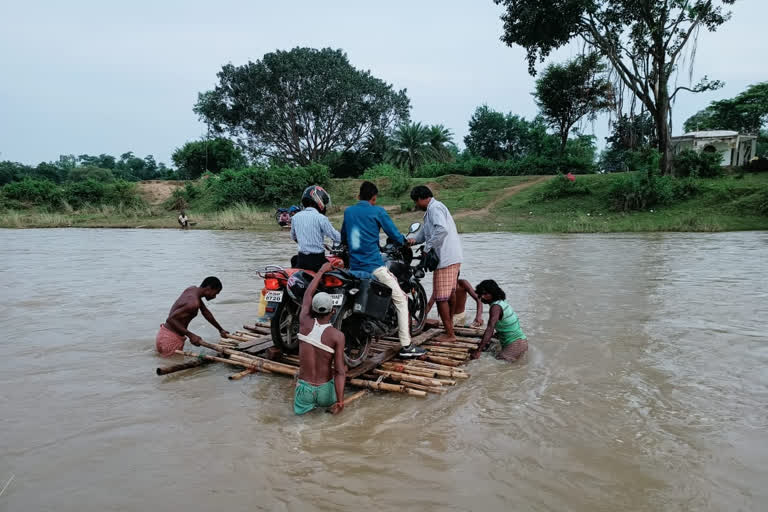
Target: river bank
{"points": [[479, 204]]}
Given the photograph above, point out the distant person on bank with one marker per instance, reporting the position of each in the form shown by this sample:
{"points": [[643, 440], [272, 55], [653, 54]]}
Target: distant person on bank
{"points": [[174, 331], [439, 235], [183, 220], [321, 353], [458, 312], [503, 322]]}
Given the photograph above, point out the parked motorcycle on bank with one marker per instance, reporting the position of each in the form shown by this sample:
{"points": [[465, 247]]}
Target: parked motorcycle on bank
{"points": [[363, 307]]}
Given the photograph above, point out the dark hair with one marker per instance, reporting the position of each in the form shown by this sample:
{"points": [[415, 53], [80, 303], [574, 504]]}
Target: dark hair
{"points": [[367, 191], [421, 192], [212, 283], [489, 286], [307, 202]]}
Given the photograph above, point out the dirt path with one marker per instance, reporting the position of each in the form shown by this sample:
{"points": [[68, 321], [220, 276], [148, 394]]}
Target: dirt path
{"points": [[508, 192]]}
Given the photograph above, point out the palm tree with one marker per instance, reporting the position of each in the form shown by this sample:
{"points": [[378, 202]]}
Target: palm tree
{"points": [[441, 142], [411, 146]]}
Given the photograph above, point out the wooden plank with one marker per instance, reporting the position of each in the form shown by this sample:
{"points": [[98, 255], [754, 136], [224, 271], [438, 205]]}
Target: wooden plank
{"points": [[257, 341], [388, 354], [258, 348]]}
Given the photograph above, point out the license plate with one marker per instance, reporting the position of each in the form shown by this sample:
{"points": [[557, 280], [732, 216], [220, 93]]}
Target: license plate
{"points": [[337, 298], [274, 296]]}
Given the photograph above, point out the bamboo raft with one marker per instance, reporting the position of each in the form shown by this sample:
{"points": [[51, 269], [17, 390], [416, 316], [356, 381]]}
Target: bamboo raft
{"points": [[252, 351]]}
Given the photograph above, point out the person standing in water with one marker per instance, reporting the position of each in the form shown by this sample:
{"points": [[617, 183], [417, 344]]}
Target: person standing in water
{"points": [[321, 353], [463, 288], [174, 331], [503, 321]]}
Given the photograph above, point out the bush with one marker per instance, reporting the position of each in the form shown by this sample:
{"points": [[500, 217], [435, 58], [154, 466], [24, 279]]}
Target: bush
{"points": [[755, 203], [267, 186], [689, 163], [89, 192], [30, 190], [91, 173], [640, 191], [398, 180], [560, 187]]}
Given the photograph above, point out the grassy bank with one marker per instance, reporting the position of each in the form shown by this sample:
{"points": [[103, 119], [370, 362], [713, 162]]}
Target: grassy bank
{"points": [[478, 203]]}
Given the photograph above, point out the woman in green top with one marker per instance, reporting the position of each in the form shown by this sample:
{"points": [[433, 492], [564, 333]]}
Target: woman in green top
{"points": [[503, 321]]}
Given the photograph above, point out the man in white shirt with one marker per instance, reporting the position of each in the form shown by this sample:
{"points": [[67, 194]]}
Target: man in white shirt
{"points": [[439, 233]]}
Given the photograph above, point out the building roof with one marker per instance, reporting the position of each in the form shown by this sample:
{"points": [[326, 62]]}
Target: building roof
{"points": [[711, 134]]}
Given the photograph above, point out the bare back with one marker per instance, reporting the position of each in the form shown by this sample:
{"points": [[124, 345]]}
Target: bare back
{"points": [[316, 365], [184, 309]]}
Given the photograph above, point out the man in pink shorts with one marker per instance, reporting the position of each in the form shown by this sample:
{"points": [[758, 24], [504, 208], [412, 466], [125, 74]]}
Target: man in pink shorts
{"points": [[174, 331]]}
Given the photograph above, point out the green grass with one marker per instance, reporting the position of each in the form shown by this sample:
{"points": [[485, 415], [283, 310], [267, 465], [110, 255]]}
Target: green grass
{"points": [[723, 204]]}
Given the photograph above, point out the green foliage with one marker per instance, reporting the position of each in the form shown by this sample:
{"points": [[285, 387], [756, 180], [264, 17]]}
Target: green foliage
{"points": [[414, 144], [34, 191], [755, 203], [632, 132], [12, 171], [568, 92], [500, 136], [264, 186], [398, 180], [88, 192], [746, 113], [689, 163], [215, 155], [90, 173], [639, 191], [560, 187], [300, 105]]}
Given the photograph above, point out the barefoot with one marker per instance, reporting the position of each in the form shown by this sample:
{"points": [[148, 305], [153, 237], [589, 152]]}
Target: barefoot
{"points": [[444, 338]]}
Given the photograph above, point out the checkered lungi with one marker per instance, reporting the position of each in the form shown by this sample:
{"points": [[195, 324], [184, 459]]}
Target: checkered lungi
{"points": [[167, 341], [444, 283], [513, 351]]}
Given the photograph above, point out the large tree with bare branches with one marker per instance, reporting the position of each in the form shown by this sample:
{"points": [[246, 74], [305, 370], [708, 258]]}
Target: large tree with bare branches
{"points": [[298, 106], [644, 40]]}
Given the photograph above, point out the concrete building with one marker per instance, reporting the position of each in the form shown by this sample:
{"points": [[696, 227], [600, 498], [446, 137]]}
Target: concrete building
{"points": [[735, 149]]}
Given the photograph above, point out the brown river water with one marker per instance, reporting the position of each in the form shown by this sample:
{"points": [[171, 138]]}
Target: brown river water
{"points": [[645, 388]]}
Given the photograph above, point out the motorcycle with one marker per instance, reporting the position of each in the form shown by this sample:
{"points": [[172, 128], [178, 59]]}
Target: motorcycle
{"points": [[283, 215], [363, 307]]}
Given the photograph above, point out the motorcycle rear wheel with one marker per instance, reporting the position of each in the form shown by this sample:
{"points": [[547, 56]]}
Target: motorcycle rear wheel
{"points": [[356, 343], [417, 309], [285, 327]]}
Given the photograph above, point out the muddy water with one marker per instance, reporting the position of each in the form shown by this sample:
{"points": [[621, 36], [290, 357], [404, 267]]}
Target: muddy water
{"points": [[646, 387]]}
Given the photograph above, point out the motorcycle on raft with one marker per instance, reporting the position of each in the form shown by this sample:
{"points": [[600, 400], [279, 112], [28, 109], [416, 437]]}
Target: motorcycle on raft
{"points": [[363, 307]]}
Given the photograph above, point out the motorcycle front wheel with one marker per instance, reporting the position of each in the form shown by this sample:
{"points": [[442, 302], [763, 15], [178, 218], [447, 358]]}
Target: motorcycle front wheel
{"points": [[417, 309], [285, 327]]}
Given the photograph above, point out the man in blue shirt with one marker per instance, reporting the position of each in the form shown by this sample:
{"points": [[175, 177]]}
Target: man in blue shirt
{"points": [[362, 224]]}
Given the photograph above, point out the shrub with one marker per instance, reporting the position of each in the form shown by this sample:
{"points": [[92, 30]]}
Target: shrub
{"points": [[640, 191], [30, 190], [398, 180], [90, 173], [689, 163], [267, 186], [755, 203], [560, 187], [80, 193]]}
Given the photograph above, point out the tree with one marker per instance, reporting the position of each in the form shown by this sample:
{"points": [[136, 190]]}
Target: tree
{"points": [[501, 137], [746, 113], [630, 132], [568, 92], [214, 155], [13, 171], [299, 105], [411, 146], [642, 39], [441, 142]]}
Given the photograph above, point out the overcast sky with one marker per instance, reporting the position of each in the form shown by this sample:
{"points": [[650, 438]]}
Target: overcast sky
{"points": [[88, 76]]}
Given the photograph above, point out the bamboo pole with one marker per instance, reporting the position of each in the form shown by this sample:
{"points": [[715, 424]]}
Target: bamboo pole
{"points": [[443, 360], [383, 386], [427, 371], [244, 373], [236, 337], [258, 328], [428, 389], [427, 381], [257, 365], [398, 376], [165, 370]]}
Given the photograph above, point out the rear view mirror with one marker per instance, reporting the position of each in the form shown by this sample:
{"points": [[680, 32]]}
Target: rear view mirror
{"points": [[414, 227]]}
